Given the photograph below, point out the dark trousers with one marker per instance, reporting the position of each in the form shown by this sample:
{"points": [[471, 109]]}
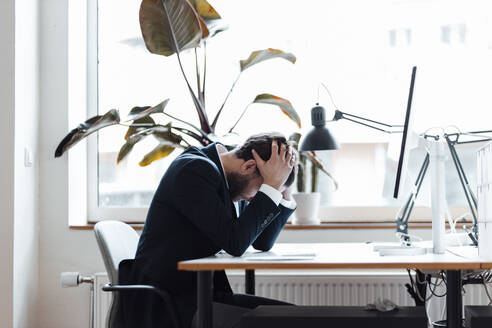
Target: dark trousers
{"points": [[229, 308]]}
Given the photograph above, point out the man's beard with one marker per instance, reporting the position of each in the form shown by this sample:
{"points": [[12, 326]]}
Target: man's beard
{"points": [[237, 183]]}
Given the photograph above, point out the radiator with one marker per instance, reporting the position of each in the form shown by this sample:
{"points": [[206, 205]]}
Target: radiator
{"points": [[351, 288]]}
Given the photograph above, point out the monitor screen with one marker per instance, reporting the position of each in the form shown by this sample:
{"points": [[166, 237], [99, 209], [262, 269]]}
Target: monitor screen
{"points": [[404, 148]]}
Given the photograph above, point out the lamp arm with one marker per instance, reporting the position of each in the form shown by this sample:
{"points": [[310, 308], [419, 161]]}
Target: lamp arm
{"points": [[366, 122], [476, 134], [470, 196]]}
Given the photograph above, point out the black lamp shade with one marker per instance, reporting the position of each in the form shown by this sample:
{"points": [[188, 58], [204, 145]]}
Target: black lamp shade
{"points": [[319, 137]]}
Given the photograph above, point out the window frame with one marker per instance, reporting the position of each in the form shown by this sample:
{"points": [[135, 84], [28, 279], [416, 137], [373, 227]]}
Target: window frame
{"points": [[94, 213]]}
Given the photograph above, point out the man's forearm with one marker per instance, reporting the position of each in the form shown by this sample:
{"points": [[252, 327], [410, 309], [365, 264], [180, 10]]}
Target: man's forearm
{"points": [[267, 238]]}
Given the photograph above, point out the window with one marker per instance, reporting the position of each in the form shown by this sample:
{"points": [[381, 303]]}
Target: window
{"points": [[362, 50]]}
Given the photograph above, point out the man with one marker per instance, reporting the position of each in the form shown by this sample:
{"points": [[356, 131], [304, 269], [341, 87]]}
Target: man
{"points": [[192, 216]]}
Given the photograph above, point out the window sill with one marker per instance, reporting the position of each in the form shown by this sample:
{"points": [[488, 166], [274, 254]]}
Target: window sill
{"points": [[322, 226]]}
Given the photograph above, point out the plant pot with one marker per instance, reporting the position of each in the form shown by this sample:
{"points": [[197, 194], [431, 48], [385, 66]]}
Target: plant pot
{"points": [[307, 208]]}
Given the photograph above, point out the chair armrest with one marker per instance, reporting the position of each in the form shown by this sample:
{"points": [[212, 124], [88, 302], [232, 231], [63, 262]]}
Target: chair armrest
{"points": [[166, 297], [114, 288]]}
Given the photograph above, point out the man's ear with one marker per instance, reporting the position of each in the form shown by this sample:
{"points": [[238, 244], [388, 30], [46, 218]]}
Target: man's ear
{"points": [[248, 167]]}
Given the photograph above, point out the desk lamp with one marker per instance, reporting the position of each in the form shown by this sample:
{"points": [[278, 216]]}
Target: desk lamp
{"points": [[402, 227], [388, 128], [434, 159], [319, 137]]}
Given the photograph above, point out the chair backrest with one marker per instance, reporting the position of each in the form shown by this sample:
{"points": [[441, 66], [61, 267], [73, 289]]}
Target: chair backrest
{"points": [[117, 241]]}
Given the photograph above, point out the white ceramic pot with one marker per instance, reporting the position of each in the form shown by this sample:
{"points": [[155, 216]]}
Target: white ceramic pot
{"points": [[307, 208]]}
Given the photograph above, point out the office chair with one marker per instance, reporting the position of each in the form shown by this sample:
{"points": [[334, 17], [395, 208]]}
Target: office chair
{"points": [[118, 242]]}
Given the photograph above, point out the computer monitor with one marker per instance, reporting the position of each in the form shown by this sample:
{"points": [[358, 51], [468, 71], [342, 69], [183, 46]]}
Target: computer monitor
{"points": [[405, 139]]}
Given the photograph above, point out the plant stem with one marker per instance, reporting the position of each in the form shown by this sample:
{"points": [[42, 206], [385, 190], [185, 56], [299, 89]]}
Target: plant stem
{"points": [[301, 173], [184, 122], [316, 162], [198, 80], [225, 100], [204, 70], [201, 111], [244, 111], [201, 139], [314, 178], [185, 132]]}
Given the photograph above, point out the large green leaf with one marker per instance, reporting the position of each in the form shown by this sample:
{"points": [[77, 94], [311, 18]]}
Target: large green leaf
{"points": [[205, 9], [210, 16], [163, 22], [139, 112], [158, 152], [84, 129], [167, 136], [162, 133], [284, 105], [261, 55], [139, 125], [128, 146]]}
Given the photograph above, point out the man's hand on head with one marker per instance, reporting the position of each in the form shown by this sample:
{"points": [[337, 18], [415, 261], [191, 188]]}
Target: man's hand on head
{"points": [[276, 170]]}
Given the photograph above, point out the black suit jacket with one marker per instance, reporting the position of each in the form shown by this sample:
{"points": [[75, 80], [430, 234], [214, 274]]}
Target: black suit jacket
{"points": [[192, 216]]}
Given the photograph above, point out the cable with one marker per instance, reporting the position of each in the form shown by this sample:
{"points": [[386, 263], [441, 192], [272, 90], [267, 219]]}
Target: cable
{"points": [[443, 310], [418, 281], [456, 254], [431, 128], [484, 277], [429, 283], [453, 126], [329, 93], [429, 321], [462, 218], [433, 290], [487, 276], [487, 292]]}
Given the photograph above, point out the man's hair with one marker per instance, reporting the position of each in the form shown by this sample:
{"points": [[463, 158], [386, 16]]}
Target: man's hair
{"points": [[262, 144]]}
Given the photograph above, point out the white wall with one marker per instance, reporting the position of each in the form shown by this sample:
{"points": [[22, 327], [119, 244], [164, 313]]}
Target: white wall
{"points": [[26, 213], [19, 87], [61, 249], [7, 98]]}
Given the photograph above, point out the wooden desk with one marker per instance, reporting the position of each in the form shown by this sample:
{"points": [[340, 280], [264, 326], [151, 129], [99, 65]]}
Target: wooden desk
{"points": [[333, 256]]}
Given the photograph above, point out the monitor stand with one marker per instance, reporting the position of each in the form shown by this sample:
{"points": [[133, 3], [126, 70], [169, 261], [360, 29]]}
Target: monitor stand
{"points": [[435, 160]]}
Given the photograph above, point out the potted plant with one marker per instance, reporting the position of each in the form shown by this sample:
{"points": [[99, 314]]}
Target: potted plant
{"points": [[173, 27], [308, 201]]}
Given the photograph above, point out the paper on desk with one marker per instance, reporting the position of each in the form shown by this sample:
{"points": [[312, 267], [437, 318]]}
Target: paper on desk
{"points": [[279, 256], [280, 253]]}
